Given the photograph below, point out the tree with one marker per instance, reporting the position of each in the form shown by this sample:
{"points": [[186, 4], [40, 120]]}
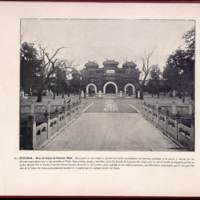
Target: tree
{"points": [[72, 76], [172, 71], [60, 82], [37, 68], [179, 70], [171, 74], [40, 70], [66, 79], [47, 69], [146, 67], [189, 38], [75, 82], [154, 83], [29, 64], [155, 72]]}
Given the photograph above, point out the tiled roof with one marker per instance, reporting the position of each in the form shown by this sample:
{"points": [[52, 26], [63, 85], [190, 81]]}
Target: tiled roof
{"points": [[110, 62], [129, 64], [92, 64]]}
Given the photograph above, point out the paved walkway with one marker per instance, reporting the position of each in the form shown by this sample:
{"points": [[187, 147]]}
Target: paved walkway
{"points": [[111, 124]]}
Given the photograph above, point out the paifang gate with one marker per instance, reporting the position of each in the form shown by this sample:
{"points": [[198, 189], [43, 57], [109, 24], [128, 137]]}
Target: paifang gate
{"points": [[110, 79], [110, 88]]}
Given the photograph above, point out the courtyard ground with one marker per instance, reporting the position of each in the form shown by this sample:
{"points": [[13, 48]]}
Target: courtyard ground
{"points": [[112, 124]]}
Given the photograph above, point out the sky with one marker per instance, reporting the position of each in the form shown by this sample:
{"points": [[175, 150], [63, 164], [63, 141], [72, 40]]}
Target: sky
{"points": [[98, 40]]}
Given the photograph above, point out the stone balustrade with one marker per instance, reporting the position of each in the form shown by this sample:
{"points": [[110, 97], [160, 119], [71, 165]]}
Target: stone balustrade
{"points": [[25, 109], [171, 122], [35, 133], [41, 134]]}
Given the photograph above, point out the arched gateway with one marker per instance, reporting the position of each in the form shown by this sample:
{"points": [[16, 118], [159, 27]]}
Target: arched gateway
{"points": [[110, 79], [129, 89], [91, 89], [107, 88]]}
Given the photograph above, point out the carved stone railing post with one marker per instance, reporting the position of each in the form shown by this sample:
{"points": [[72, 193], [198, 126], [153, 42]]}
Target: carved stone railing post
{"points": [[64, 109], [32, 110], [157, 114], [166, 121], [178, 121], [190, 108], [69, 108], [31, 134], [192, 134], [47, 117], [173, 108]]}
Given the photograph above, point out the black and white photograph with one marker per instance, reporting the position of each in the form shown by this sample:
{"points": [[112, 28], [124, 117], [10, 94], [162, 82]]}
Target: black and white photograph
{"points": [[107, 84]]}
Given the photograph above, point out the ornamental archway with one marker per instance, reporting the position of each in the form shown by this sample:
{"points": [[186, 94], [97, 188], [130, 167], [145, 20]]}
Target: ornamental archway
{"points": [[91, 89], [129, 89], [107, 87]]}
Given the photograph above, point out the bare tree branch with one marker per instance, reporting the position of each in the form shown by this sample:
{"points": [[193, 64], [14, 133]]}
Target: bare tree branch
{"points": [[56, 52], [146, 67]]}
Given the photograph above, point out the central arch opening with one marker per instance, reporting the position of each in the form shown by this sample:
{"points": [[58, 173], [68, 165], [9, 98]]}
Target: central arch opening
{"points": [[110, 88]]}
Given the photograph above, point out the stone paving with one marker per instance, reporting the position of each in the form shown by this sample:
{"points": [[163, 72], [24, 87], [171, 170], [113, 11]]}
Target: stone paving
{"points": [[111, 125]]}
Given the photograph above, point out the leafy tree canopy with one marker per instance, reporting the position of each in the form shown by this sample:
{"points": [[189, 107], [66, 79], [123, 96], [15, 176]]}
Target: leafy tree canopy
{"points": [[155, 72], [179, 69]]}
